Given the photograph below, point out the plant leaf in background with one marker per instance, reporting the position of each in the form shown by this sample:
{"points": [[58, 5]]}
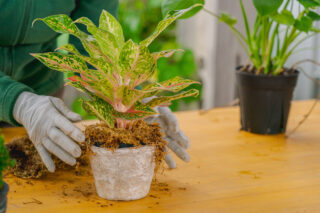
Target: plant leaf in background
{"points": [[285, 17], [304, 24], [228, 19], [314, 16], [267, 7], [168, 5], [309, 3]]}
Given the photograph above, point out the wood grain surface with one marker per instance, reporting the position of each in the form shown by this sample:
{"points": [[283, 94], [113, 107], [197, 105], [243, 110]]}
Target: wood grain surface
{"points": [[230, 171]]}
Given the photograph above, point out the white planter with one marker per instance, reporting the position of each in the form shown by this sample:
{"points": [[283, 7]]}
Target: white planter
{"points": [[125, 174]]}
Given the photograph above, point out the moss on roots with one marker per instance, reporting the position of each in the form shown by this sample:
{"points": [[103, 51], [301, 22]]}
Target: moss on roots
{"points": [[140, 134]]}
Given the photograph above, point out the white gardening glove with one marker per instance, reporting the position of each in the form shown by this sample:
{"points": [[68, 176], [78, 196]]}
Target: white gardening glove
{"points": [[178, 142], [48, 122]]}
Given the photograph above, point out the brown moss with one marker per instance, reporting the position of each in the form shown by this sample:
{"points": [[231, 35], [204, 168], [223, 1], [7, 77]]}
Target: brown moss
{"points": [[140, 134], [29, 163]]}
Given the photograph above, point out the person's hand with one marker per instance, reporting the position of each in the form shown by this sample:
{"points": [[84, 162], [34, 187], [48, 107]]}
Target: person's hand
{"points": [[48, 122], [178, 142]]}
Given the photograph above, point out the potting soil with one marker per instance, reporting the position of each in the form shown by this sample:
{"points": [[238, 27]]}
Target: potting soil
{"points": [[29, 163]]}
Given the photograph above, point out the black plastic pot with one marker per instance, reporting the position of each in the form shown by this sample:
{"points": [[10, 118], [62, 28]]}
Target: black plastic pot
{"points": [[265, 101], [3, 198]]}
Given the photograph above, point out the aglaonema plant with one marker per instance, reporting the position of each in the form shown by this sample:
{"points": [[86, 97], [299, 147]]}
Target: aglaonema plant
{"points": [[115, 68], [276, 32]]}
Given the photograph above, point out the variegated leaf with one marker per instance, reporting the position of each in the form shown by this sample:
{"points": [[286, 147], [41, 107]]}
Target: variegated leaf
{"points": [[60, 62], [106, 40], [110, 24], [61, 24], [64, 24], [94, 90], [165, 53], [175, 84], [144, 67], [99, 64], [127, 97], [102, 110], [91, 27], [69, 48], [136, 63], [103, 67], [108, 44], [79, 87], [164, 100], [138, 112], [170, 18], [103, 89], [128, 57], [91, 45], [99, 107]]}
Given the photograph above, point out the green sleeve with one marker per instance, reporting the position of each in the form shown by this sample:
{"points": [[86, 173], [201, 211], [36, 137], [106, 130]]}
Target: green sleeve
{"points": [[92, 9], [10, 90]]}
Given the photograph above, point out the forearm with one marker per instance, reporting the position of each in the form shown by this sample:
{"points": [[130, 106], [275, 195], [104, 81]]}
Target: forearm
{"points": [[9, 92]]}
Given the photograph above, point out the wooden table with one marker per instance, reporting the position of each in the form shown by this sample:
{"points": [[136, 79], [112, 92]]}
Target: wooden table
{"points": [[230, 171]]}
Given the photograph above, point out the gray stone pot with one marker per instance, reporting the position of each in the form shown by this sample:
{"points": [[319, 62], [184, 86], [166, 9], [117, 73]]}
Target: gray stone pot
{"points": [[125, 174], [3, 198]]}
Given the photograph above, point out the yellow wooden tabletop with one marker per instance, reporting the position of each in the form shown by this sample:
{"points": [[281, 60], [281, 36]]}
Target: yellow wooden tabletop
{"points": [[230, 171]]}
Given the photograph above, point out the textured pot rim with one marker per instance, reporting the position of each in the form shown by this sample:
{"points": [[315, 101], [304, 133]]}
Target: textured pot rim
{"points": [[121, 151], [294, 74]]}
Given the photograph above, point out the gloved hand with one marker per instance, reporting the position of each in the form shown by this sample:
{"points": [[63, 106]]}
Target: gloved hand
{"points": [[48, 123], [178, 142]]}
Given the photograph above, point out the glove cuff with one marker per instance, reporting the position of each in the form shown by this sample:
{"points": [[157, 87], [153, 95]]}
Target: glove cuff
{"points": [[20, 105], [14, 92]]}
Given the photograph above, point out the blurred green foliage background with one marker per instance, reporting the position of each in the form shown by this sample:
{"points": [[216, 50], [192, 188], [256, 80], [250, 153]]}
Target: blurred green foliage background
{"points": [[138, 19]]}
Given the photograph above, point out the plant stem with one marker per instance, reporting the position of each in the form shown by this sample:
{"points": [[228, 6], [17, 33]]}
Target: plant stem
{"points": [[269, 50], [246, 23]]}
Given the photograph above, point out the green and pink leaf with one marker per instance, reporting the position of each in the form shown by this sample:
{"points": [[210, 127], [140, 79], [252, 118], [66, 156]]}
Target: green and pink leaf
{"points": [[175, 84], [60, 62], [60, 23], [166, 100], [109, 23]]}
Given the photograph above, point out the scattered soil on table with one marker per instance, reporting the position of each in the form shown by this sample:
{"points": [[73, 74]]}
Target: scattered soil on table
{"points": [[29, 163], [158, 186], [140, 134]]}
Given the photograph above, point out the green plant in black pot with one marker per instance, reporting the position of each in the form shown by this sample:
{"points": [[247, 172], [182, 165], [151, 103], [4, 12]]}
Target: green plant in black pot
{"points": [[266, 85], [5, 162]]}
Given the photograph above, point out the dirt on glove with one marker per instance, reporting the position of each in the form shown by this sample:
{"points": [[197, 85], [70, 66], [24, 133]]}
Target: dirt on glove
{"points": [[29, 163], [138, 135]]}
